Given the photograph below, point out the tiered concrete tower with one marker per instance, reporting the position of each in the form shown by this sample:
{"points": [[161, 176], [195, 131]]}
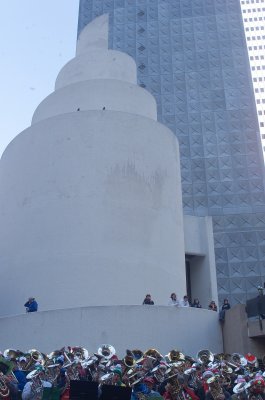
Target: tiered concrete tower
{"points": [[90, 205]]}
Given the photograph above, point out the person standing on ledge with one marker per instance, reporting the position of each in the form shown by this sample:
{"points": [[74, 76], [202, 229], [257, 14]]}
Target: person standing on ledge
{"points": [[31, 305], [173, 300], [148, 300], [185, 302]]}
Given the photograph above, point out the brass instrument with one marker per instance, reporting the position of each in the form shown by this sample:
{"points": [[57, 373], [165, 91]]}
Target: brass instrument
{"points": [[52, 372], [153, 353], [241, 387], [36, 386], [137, 377], [175, 356], [4, 390], [175, 389], [106, 351], [33, 356], [194, 380], [159, 372], [176, 367], [79, 353], [215, 388], [106, 379], [238, 360], [129, 362], [205, 356]]}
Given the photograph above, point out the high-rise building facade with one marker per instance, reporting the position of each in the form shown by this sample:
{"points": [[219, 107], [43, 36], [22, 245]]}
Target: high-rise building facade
{"points": [[254, 21], [192, 56]]}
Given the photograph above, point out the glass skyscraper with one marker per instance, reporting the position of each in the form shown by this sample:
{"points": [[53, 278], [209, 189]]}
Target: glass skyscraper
{"points": [[192, 56], [254, 22]]}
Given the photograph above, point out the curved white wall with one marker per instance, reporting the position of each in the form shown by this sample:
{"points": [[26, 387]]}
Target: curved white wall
{"points": [[125, 327], [111, 94], [98, 64], [90, 205], [91, 212]]}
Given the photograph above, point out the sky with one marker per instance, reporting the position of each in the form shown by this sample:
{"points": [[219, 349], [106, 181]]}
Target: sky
{"points": [[38, 38]]}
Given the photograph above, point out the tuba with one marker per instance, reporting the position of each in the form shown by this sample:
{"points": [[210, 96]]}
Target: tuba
{"points": [[175, 356], [237, 360], [215, 387], [36, 387], [129, 361], [79, 353], [106, 351], [33, 356], [153, 353], [205, 356], [175, 388], [4, 390]]}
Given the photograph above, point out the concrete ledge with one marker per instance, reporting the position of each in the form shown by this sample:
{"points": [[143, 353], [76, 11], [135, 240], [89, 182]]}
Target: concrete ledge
{"points": [[256, 328], [98, 64], [161, 327], [96, 94]]}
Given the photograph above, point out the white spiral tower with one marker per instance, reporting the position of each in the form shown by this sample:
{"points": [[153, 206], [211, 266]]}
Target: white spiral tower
{"points": [[90, 194]]}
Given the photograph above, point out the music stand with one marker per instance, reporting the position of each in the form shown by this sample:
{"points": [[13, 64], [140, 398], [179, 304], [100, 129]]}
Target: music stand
{"points": [[83, 390], [110, 392]]}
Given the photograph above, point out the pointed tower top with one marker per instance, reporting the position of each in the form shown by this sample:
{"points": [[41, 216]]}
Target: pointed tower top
{"points": [[94, 35]]}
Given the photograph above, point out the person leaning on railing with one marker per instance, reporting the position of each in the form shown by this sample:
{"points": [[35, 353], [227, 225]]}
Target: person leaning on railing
{"points": [[31, 305]]}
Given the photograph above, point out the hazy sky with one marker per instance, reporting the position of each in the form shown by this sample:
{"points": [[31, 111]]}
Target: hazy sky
{"points": [[37, 38]]}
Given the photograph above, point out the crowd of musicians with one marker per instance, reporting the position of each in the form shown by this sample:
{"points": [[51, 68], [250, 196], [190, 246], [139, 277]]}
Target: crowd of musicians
{"points": [[149, 374]]}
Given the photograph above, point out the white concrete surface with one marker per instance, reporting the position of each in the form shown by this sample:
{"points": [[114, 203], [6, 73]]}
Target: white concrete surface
{"points": [[95, 34], [96, 95], [89, 214], [98, 64], [94, 60], [90, 205], [125, 327]]}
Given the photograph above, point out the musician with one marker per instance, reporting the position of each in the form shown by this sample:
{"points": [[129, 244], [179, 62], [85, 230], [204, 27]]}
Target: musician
{"points": [[183, 391], [22, 363], [62, 380], [239, 391], [216, 391], [117, 377], [142, 391], [205, 376], [257, 389], [151, 390], [33, 389], [20, 376], [31, 305], [195, 381]]}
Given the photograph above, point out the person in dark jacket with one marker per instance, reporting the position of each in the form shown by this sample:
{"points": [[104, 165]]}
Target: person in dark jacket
{"points": [[31, 305], [226, 305], [196, 304], [148, 300]]}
